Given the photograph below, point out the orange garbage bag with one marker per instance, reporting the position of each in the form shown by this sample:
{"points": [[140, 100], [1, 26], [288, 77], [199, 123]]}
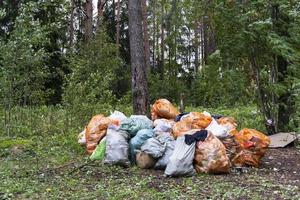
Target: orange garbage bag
{"points": [[181, 127], [95, 131], [230, 123], [253, 145], [194, 120], [231, 145], [162, 108], [210, 156]]}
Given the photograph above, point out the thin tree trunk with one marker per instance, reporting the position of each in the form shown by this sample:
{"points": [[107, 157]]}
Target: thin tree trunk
{"points": [[138, 66], [154, 36], [118, 23], [146, 35], [162, 43], [100, 7], [202, 44], [196, 47], [205, 52], [88, 8], [71, 39]]}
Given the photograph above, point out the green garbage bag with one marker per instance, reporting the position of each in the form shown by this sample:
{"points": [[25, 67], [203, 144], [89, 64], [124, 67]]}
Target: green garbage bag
{"points": [[135, 123], [99, 152]]}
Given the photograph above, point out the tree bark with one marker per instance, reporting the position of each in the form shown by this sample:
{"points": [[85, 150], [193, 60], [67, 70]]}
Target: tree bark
{"points": [[100, 7], [138, 66], [146, 35], [88, 8], [71, 39], [118, 23], [154, 37], [196, 47], [162, 43], [285, 105]]}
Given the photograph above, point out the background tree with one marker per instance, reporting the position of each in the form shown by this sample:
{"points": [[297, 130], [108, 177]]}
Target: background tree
{"points": [[138, 63]]}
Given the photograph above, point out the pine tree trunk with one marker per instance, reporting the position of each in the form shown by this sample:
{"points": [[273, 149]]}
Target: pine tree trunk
{"points": [[100, 7], [146, 35], [71, 39], [138, 66], [196, 47], [154, 37], [118, 23], [88, 8], [162, 43]]}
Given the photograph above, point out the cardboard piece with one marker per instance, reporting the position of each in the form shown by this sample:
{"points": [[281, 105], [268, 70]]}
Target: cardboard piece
{"points": [[282, 139]]}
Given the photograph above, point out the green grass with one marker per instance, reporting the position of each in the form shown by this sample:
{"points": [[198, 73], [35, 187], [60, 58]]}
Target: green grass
{"points": [[37, 164]]}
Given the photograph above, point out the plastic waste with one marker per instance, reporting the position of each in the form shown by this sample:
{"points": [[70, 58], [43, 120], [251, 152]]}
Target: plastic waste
{"points": [[167, 140], [162, 108], [138, 140], [135, 123], [95, 131], [229, 123], [218, 130], [181, 160], [154, 147], [117, 117], [210, 156], [117, 148], [163, 125], [193, 120], [99, 152], [253, 145]]}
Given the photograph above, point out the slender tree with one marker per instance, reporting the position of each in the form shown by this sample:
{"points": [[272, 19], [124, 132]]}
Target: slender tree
{"points": [[118, 23], [146, 34], [88, 24], [138, 63]]}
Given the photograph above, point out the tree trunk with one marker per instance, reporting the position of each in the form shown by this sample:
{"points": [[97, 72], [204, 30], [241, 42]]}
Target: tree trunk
{"points": [[162, 43], [88, 8], [100, 7], [71, 39], [196, 47], [285, 105], [146, 35], [154, 37], [138, 66], [118, 23], [205, 42]]}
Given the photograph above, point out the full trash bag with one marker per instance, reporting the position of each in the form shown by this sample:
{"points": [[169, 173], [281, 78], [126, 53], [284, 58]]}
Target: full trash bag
{"points": [[153, 147], [218, 130], [181, 160], [117, 148], [117, 117], [135, 123], [95, 131], [99, 152], [162, 108], [167, 140], [163, 125], [229, 123], [253, 144], [210, 156], [138, 140], [231, 145], [144, 160], [193, 120]]}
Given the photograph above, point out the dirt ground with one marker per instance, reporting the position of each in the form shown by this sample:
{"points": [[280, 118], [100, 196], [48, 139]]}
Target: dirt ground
{"points": [[277, 178]]}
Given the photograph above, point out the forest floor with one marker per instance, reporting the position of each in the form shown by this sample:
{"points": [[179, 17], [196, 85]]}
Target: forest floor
{"points": [[44, 169]]}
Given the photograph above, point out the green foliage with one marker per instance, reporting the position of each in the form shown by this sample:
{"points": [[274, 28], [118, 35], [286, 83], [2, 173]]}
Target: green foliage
{"points": [[22, 71], [92, 73], [215, 86]]}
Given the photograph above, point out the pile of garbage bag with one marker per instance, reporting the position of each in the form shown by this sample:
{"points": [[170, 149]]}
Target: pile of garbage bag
{"points": [[182, 144]]}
